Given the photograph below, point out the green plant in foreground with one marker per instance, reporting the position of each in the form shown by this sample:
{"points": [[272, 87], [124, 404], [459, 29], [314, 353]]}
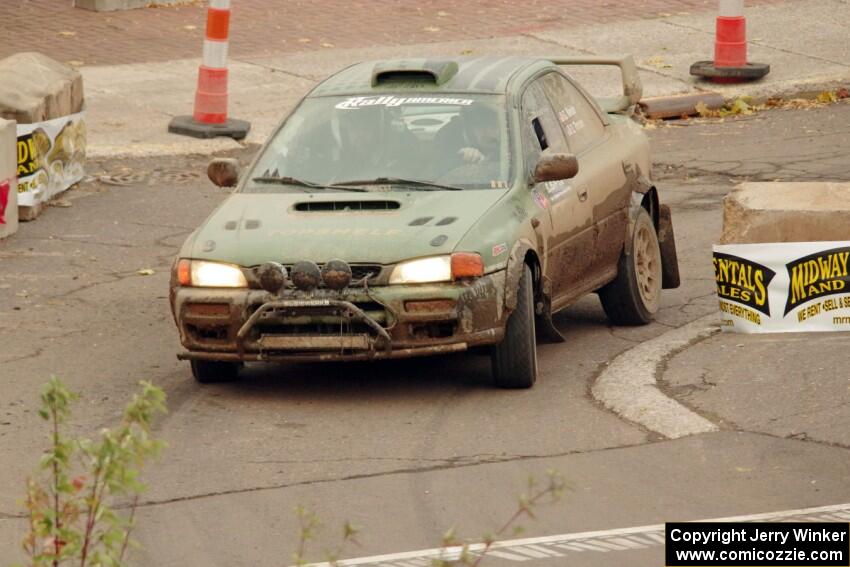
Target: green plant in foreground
{"points": [[471, 554], [72, 517]]}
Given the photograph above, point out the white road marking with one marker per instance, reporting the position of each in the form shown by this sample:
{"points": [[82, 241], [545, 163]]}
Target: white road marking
{"points": [[628, 385], [604, 541]]}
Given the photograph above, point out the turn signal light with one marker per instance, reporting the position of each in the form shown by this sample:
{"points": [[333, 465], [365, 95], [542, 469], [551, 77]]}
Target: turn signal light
{"points": [[467, 265], [184, 272]]}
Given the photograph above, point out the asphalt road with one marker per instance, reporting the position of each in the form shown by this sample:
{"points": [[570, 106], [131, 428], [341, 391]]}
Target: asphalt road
{"points": [[403, 449]]}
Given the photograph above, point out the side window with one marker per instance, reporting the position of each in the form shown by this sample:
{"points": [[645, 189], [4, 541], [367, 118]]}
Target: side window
{"points": [[540, 131], [576, 115]]}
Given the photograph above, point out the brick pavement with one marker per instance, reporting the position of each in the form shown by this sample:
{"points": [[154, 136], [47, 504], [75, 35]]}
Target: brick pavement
{"points": [[273, 27]]}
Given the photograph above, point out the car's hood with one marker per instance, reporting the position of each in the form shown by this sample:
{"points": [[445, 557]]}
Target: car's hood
{"points": [[250, 228]]}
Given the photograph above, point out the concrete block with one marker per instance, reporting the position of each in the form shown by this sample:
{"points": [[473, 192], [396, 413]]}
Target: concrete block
{"points": [[8, 178], [113, 5], [34, 88], [786, 212]]}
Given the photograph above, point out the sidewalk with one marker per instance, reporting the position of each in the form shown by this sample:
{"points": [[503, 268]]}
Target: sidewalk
{"points": [[273, 27], [791, 386], [264, 88]]}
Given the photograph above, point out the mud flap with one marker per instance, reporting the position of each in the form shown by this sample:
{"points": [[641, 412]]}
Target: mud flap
{"points": [[543, 324], [667, 242]]}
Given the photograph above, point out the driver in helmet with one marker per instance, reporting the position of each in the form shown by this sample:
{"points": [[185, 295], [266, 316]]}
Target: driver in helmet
{"points": [[480, 135]]}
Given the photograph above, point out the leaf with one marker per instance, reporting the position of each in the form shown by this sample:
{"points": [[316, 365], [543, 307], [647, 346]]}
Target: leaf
{"points": [[827, 97], [702, 109], [431, 29], [657, 62], [190, 27], [67, 33], [146, 272]]}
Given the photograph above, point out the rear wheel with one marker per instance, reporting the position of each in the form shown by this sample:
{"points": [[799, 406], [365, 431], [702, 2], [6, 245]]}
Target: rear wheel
{"points": [[514, 360], [633, 297], [212, 371]]}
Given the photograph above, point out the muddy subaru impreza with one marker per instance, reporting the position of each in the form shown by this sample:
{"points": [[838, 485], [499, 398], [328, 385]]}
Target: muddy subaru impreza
{"points": [[422, 207]]}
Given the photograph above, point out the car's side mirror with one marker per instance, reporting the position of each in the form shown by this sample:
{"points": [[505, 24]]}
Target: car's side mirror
{"points": [[223, 172], [554, 167]]}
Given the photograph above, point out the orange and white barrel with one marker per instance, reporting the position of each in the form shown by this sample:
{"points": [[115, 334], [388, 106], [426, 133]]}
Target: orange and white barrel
{"points": [[211, 94], [730, 45]]}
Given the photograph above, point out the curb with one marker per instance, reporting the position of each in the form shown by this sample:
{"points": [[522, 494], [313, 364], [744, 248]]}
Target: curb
{"points": [[628, 386]]}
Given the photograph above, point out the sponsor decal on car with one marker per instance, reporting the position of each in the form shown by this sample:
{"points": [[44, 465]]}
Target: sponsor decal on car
{"points": [[556, 189], [540, 199], [571, 124], [355, 102], [499, 249]]}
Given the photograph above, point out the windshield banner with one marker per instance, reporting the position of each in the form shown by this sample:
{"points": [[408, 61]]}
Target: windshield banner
{"points": [[782, 288], [356, 102], [51, 157]]}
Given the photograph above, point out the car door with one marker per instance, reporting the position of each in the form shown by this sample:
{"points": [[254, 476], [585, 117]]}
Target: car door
{"points": [[601, 178], [570, 247]]}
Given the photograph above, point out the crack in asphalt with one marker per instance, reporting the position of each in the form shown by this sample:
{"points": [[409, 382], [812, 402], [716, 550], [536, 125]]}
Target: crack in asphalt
{"points": [[475, 459], [445, 464], [35, 354]]}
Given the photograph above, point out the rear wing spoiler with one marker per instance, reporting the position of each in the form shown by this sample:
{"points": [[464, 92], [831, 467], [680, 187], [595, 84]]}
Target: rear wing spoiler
{"points": [[632, 87]]}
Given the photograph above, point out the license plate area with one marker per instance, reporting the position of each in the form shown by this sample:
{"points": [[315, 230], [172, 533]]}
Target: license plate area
{"points": [[315, 342]]}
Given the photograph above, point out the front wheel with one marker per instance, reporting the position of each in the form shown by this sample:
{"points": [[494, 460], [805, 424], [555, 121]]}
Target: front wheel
{"points": [[633, 297], [212, 371], [514, 360]]}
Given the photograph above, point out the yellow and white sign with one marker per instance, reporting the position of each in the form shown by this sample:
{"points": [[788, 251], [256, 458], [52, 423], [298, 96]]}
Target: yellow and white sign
{"points": [[781, 288], [51, 157]]}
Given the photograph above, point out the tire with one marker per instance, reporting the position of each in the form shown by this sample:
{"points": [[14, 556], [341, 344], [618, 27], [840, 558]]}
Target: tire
{"points": [[514, 360], [212, 371], [633, 297]]}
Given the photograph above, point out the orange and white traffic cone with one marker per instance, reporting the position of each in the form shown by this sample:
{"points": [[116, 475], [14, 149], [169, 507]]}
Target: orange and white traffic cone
{"points": [[210, 117], [730, 49]]}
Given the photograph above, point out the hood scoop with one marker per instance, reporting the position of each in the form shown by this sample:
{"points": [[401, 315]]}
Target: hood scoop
{"points": [[345, 206]]}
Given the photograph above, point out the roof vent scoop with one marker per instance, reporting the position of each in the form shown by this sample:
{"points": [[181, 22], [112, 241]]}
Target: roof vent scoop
{"points": [[433, 71]]}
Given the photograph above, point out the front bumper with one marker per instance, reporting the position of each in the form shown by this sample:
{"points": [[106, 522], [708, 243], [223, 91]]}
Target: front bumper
{"points": [[397, 321]]}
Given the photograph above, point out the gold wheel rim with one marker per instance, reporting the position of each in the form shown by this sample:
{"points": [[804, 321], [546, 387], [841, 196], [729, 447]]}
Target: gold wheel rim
{"points": [[648, 266]]}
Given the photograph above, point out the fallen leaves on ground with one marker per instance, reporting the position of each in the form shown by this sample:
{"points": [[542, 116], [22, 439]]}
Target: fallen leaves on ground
{"points": [[743, 105], [738, 106], [657, 62], [146, 272]]}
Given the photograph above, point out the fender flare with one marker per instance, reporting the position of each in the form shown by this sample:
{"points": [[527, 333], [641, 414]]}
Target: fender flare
{"points": [[516, 263], [663, 220]]}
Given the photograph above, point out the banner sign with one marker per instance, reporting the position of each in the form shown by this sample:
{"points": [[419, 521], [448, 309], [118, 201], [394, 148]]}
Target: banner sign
{"points": [[51, 157], [782, 288]]}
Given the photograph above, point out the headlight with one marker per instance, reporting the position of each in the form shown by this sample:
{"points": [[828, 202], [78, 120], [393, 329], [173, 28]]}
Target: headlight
{"points": [[424, 270], [199, 273], [438, 269]]}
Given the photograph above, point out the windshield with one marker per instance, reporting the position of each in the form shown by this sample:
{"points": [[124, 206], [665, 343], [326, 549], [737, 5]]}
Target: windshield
{"points": [[389, 142]]}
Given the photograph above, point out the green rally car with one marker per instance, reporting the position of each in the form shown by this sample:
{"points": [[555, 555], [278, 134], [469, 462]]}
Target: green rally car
{"points": [[419, 207]]}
